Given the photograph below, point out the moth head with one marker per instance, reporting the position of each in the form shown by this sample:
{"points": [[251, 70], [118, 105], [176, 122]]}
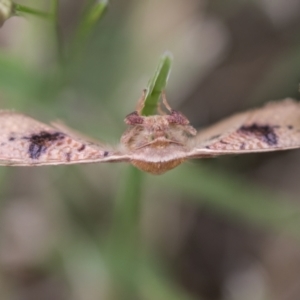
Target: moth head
{"points": [[160, 121], [164, 128]]}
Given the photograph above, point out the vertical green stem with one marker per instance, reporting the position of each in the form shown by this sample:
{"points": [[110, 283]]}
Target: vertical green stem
{"points": [[125, 237], [127, 213], [57, 32], [91, 18], [92, 15], [128, 206]]}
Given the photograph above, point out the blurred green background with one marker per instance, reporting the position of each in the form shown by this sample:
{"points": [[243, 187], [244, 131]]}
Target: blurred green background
{"points": [[225, 228]]}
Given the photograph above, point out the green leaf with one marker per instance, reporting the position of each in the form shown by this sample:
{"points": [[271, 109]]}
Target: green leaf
{"points": [[95, 14], [91, 17], [157, 84]]}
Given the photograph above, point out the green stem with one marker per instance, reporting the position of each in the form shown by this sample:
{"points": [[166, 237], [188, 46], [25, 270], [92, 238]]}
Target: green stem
{"points": [[157, 84], [22, 9], [127, 213], [127, 210], [57, 32], [124, 242], [90, 18], [126, 224]]}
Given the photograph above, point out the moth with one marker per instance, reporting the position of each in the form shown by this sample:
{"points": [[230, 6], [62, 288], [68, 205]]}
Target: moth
{"points": [[154, 144]]}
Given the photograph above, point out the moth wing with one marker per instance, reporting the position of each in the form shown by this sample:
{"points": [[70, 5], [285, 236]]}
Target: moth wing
{"points": [[61, 126], [276, 126], [27, 142]]}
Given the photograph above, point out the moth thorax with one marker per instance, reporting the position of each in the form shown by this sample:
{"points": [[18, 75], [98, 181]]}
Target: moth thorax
{"points": [[157, 168]]}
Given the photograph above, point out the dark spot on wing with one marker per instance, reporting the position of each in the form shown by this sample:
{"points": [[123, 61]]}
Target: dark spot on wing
{"points": [[242, 147], [81, 148], [105, 153], [41, 141], [290, 126], [265, 133], [11, 138]]}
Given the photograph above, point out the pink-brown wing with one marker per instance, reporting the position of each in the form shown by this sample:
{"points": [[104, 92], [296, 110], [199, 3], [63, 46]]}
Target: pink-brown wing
{"points": [[27, 142], [276, 126]]}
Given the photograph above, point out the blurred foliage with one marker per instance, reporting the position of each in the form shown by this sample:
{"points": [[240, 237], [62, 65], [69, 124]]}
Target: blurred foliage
{"points": [[97, 231]]}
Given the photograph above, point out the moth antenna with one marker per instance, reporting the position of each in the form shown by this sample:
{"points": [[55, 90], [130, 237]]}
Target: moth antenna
{"points": [[141, 103], [165, 102]]}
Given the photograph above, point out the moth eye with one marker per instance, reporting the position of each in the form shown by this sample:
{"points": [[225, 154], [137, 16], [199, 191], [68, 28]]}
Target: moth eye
{"points": [[177, 117], [134, 119]]}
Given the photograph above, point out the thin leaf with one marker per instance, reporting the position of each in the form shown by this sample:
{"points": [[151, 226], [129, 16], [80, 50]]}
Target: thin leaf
{"points": [[157, 84], [90, 18], [57, 31]]}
